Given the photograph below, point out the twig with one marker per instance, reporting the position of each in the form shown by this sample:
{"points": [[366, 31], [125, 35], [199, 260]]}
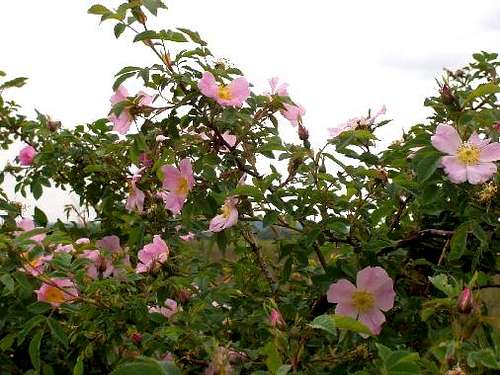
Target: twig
{"points": [[266, 270]]}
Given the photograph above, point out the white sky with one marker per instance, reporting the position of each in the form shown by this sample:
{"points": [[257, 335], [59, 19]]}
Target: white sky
{"points": [[339, 57]]}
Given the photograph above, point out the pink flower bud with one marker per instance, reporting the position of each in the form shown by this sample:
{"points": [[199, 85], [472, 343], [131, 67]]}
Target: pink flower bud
{"points": [[275, 319], [136, 337], [465, 301]]}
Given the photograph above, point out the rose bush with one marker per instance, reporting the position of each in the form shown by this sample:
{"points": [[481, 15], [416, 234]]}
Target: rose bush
{"points": [[217, 248]]}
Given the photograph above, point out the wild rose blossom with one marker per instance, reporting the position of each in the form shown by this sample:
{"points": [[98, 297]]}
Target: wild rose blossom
{"points": [[227, 218], [99, 265], [229, 138], [372, 294], [178, 182], [152, 255], [122, 122], [27, 225], [60, 248], [135, 200], [36, 266], [277, 88], [111, 245], [57, 292], [82, 241], [472, 161], [232, 95], [168, 310], [26, 155], [293, 113], [190, 236], [354, 123]]}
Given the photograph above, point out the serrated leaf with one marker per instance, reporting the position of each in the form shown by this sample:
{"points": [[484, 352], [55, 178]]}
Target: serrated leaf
{"points": [[34, 349], [146, 367], [40, 217], [57, 331], [98, 9], [458, 242], [482, 90], [119, 29], [329, 323], [326, 323]]}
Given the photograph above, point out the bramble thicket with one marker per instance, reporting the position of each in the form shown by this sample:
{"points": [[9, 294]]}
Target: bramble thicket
{"points": [[216, 248]]}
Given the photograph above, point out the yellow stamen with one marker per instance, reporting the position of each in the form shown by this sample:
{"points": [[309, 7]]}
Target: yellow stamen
{"points": [[225, 93], [363, 301], [183, 187], [468, 154], [226, 211], [54, 295]]}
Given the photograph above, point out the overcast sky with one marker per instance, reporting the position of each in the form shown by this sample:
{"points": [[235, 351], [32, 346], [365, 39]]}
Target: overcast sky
{"points": [[339, 57]]}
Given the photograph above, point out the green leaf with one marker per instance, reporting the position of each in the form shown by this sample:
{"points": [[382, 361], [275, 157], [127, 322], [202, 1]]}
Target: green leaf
{"points": [[79, 368], [57, 331], [427, 165], [36, 189], [119, 29], [485, 358], [98, 9], [273, 357], [40, 217], [16, 82], [7, 341], [458, 242], [283, 370], [399, 362], [249, 190], [147, 366], [270, 218], [482, 90], [28, 326], [195, 37], [329, 323], [146, 35], [326, 323], [8, 281], [154, 5], [34, 349]]}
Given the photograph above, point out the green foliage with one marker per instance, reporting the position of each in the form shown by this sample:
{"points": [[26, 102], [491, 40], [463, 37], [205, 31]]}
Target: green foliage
{"points": [[307, 217]]}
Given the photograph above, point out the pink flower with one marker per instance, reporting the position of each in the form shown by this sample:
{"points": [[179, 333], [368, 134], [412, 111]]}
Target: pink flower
{"points": [[135, 200], [28, 225], [372, 294], [354, 123], [178, 182], [152, 255], [99, 265], [188, 237], [109, 243], [232, 95], [57, 291], [35, 267], [60, 248], [275, 319], [277, 88], [293, 113], [227, 218], [169, 309], [471, 161], [122, 122], [82, 241], [465, 301], [26, 155]]}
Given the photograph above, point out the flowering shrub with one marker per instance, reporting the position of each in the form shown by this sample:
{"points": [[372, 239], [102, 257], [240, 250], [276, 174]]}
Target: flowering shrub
{"points": [[208, 245]]}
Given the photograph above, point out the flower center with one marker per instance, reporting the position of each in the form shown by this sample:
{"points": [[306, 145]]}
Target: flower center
{"points": [[225, 93], [226, 211], [468, 154], [54, 295], [183, 187], [363, 301]]}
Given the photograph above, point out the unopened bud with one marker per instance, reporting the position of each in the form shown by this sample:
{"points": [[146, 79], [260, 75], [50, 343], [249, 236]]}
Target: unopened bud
{"points": [[53, 125], [322, 167], [303, 133], [496, 126], [167, 60], [465, 301], [136, 337], [447, 95], [382, 175]]}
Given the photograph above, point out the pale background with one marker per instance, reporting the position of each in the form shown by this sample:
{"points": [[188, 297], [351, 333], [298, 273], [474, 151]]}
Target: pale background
{"points": [[339, 57]]}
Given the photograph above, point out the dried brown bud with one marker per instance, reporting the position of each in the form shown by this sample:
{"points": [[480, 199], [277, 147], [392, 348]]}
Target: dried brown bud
{"points": [[446, 94], [53, 125], [303, 133], [167, 60], [487, 193], [382, 175]]}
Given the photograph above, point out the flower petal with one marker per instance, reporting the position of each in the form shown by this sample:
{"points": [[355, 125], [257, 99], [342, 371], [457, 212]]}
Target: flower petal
{"points": [[446, 139], [346, 309], [482, 172], [373, 319], [490, 152], [456, 171], [340, 292]]}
